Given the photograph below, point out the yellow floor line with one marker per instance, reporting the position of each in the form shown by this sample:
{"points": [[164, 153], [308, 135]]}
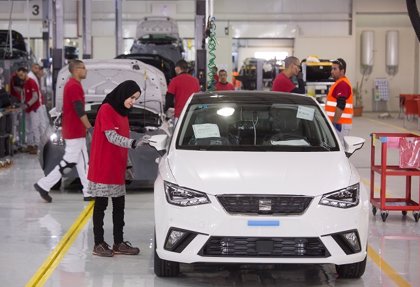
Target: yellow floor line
{"points": [[52, 261], [376, 188], [381, 263], [387, 269], [391, 125]]}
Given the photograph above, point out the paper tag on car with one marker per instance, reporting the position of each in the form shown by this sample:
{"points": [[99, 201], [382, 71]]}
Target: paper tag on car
{"points": [[206, 131], [305, 113]]}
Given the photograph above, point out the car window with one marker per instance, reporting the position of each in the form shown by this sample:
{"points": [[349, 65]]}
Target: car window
{"points": [[255, 127]]}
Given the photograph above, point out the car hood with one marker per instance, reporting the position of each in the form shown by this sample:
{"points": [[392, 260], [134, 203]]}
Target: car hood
{"points": [[104, 75], [157, 25], [309, 173]]}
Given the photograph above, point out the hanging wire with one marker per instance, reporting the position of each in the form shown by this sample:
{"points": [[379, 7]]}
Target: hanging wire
{"points": [[211, 25]]}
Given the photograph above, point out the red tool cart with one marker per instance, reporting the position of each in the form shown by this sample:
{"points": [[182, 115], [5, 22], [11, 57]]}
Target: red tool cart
{"points": [[409, 166]]}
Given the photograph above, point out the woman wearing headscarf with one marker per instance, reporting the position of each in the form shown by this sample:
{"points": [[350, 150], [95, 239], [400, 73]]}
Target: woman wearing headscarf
{"points": [[108, 163]]}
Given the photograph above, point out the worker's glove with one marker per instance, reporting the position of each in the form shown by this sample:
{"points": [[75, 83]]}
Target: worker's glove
{"points": [[337, 127], [143, 141], [90, 131]]}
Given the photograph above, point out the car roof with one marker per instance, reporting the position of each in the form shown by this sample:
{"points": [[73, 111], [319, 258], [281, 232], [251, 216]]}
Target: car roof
{"points": [[252, 97]]}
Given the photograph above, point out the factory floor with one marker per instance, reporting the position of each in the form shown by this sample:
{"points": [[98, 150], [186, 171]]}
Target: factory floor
{"points": [[51, 244]]}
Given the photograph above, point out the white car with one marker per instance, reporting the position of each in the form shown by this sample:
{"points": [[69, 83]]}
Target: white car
{"points": [[258, 177]]}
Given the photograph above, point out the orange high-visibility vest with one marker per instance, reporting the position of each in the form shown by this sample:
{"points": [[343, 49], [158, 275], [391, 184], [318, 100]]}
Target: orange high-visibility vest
{"points": [[331, 105], [236, 83]]}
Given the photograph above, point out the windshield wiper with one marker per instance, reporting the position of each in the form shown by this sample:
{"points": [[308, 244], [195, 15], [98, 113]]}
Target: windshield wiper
{"points": [[325, 146]]}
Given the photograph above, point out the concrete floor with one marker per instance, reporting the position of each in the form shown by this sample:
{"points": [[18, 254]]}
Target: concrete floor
{"points": [[32, 229]]}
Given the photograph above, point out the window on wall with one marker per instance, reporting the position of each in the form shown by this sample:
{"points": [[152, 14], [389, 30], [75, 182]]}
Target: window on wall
{"points": [[267, 55]]}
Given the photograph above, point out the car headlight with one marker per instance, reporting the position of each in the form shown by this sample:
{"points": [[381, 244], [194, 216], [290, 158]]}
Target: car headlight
{"points": [[343, 198], [182, 196]]}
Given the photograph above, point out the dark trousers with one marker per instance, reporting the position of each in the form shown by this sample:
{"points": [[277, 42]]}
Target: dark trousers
{"points": [[118, 206]]}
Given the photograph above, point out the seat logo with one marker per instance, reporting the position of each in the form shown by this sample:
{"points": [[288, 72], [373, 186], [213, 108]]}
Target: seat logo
{"points": [[264, 205]]}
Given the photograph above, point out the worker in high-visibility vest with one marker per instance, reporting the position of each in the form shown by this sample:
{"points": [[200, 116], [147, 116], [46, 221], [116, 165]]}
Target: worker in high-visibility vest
{"points": [[339, 106], [235, 82]]}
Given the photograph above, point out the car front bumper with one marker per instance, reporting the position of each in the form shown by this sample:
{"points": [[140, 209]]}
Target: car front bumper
{"points": [[213, 235]]}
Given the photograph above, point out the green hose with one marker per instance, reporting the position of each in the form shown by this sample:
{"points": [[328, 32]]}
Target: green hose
{"points": [[212, 56]]}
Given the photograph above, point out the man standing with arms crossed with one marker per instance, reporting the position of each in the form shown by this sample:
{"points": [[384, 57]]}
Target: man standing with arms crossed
{"points": [[74, 126], [339, 106]]}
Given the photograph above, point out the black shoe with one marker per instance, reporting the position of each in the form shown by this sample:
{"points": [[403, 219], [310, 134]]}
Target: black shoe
{"points": [[43, 193], [125, 248], [88, 198], [103, 250]]}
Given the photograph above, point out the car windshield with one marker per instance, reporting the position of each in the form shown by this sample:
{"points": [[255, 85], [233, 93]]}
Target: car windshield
{"points": [[256, 126]]}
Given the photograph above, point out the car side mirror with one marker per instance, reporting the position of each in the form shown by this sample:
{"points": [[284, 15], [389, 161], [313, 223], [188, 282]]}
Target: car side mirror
{"points": [[54, 113], [352, 144], [158, 142]]}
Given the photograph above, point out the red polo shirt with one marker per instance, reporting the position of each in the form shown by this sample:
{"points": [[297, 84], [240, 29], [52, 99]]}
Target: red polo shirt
{"points": [[224, 86], [107, 162], [29, 88], [283, 84], [182, 87], [73, 127]]}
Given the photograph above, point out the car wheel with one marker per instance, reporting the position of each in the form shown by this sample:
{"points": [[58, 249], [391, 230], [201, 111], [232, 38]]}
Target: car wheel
{"points": [[353, 270], [164, 268]]}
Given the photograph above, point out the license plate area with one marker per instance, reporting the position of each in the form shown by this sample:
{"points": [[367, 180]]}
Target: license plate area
{"points": [[264, 247]]}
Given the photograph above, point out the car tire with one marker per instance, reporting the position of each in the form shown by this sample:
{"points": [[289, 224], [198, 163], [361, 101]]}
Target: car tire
{"points": [[353, 270], [164, 268]]}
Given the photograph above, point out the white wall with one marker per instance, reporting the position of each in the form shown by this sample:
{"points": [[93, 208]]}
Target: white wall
{"points": [[407, 78], [104, 47]]}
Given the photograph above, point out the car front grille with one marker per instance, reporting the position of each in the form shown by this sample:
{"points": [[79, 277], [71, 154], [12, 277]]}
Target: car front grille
{"points": [[266, 204], [265, 247]]}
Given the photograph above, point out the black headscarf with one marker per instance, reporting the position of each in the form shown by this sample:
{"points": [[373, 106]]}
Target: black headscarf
{"points": [[119, 94]]}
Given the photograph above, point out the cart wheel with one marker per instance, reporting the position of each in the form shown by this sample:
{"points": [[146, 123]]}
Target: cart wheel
{"points": [[374, 210], [416, 216], [384, 215], [404, 212]]}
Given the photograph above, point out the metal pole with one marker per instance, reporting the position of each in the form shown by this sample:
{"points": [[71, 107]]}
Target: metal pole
{"points": [[118, 27], [87, 29], [200, 43], [57, 54], [46, 32]]}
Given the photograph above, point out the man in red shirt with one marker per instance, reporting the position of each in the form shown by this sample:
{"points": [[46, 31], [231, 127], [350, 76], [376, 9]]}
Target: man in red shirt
{"points": [[37, 73], [74, 126], [339, 106], [283, 81], [180, 89], [31, 97], [223, 84]]}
